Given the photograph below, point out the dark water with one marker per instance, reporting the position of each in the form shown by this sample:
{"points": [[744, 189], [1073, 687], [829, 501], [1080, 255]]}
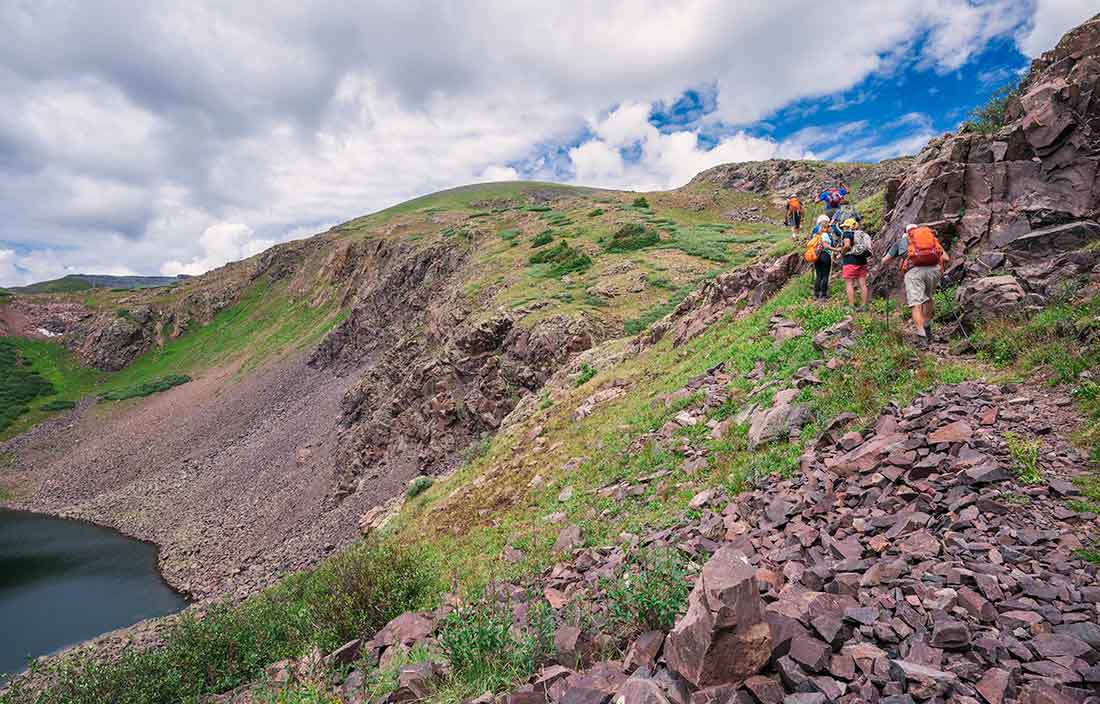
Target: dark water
{"points": [[64, 581]]}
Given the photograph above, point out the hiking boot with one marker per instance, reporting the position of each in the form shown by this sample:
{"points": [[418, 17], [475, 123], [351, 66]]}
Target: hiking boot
{"points": [[921, 342], [928, 330]]}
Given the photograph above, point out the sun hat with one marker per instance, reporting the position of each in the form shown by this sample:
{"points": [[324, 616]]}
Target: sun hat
{"points": [[910, 226], [822, 219], [849, 223]]}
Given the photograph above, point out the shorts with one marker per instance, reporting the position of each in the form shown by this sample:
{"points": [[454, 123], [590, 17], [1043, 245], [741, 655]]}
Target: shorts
{"points": [[920, 284], [854, 271], [795, 220]]}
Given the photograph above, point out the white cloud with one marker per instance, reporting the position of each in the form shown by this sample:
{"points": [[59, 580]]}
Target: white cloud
{"points": [[221, 243], [123, 139], [665, 160], [1052, 19], [8, 272]]}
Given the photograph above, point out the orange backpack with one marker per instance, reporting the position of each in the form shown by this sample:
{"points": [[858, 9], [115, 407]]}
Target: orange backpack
{"points": [[794, 205], [811, 249], [924, 248]]}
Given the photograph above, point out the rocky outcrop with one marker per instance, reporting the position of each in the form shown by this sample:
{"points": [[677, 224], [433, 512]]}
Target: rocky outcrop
{"points": [[1023, 202], [736, 290]]}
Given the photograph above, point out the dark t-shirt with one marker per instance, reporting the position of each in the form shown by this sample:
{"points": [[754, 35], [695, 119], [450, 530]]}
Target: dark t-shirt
{"points": [[849, 258]]}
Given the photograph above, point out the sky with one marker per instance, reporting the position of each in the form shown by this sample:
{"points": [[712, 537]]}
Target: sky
{"points": [[173, 136]]}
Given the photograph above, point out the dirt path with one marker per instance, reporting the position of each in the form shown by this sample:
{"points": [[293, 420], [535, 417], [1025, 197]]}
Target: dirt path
{"points": [[228, 476]]}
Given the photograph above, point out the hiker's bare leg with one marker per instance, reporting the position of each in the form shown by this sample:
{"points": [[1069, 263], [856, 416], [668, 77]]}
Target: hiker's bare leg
{"points": [[926, 310], [850, 287], [864, 294], [918, 318]]}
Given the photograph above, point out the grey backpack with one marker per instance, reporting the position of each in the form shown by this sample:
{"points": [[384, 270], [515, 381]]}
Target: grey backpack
{"points": [[861, 243]]}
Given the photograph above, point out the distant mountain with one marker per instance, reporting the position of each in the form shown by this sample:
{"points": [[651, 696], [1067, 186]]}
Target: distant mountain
{"points": [[81, 282]]}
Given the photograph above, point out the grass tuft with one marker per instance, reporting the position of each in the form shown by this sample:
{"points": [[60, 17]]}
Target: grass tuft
{"points": [[1026, 454]]}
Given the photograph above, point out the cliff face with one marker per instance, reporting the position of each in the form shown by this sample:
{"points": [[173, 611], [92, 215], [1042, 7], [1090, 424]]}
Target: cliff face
{"points": [[1018, 209], [437, 373]]}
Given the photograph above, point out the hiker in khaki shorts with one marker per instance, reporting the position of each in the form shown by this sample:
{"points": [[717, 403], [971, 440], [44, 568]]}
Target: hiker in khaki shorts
{"points": [[923, 267]]}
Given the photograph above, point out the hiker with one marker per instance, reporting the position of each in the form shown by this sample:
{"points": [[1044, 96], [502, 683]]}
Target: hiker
{"points": [[855, 250], [834, 198], [793, 219], [923, 267], [819, 252]]}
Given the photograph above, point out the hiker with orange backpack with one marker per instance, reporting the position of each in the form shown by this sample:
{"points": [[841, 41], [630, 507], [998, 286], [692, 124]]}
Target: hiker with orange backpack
{"points": [[819, 252], [793, 219], [923, 267]]}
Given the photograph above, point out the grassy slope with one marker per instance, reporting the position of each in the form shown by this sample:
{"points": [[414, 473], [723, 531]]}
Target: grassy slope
{"points": [[264, 324]]}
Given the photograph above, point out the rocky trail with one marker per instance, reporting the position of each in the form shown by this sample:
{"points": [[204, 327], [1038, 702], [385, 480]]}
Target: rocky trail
{"points": [[908, 561]]}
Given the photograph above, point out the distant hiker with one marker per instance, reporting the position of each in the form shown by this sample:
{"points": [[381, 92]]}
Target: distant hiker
{"points": [[793, 219], [856, 249], [923, 267], [819, 252], [833, 198]]}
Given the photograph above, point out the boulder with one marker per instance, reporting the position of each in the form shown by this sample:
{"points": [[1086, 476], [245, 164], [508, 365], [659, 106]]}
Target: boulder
{"points": [[723, 637], [637, 690], [991, 297], [407, 629], [837, 337], [415, 682]]}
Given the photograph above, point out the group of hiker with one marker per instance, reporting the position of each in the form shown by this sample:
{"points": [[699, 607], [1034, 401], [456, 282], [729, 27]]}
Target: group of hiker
{"points": [[837, 234]]}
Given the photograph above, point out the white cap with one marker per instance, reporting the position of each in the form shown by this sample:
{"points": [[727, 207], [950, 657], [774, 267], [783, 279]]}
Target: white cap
{"points": [[910, 226], [822, 219]]}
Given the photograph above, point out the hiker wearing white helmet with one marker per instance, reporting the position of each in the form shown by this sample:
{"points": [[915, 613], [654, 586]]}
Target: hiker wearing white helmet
{"points": [[923, 267]]}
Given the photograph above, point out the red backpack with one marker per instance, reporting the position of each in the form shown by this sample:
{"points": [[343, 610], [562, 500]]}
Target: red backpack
{"points": [[924, 248], [835, 197]]}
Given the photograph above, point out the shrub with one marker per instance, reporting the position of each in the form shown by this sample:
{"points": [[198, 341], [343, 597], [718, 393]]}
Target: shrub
{"points": [[649, 592], [485, 652], [418, 486], [563, 258], [595, 213], [145, 388], [58, 405], [543, 238], [362, 589], [587, 372], [632, 236], [508, 235], [992, 116], [640, 202]]}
